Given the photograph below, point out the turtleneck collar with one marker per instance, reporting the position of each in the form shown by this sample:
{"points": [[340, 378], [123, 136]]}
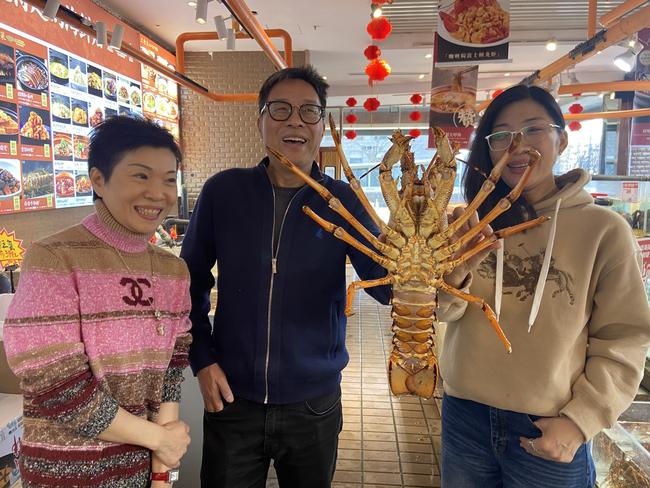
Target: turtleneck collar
{"points": [[103, 225]]}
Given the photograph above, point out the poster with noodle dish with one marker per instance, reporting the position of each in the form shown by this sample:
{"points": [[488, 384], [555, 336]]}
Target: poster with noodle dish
{"points": [[472, 31], [453, 102]]}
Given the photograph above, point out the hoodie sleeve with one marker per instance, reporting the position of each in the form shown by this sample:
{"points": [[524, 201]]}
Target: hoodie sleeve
{"points": [[450, 308], [619, 335]]}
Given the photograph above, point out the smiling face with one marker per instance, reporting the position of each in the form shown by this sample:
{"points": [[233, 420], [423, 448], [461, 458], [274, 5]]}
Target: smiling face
{"points": [[294, 138], [141, 189], [514, 117]]}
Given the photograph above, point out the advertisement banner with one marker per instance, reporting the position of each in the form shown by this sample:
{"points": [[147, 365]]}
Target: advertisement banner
{"points": [[472, 31], [640, 137], [453, 101]]}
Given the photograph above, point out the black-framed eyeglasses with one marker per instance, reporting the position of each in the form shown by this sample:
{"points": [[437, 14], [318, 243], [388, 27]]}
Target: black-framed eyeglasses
{"points": [[501, 140], [280, 111]]}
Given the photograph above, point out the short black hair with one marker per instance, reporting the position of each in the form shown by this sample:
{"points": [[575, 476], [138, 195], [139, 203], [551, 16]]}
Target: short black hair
{"points": [[111, 139], [305, 73], [521, 210]]}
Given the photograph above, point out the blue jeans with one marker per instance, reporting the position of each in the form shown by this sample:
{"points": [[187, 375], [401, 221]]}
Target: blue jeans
{"points": [[480, 449], [301, 438]]}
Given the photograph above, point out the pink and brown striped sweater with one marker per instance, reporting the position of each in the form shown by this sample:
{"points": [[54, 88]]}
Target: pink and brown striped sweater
{"points": [[83, 334]]}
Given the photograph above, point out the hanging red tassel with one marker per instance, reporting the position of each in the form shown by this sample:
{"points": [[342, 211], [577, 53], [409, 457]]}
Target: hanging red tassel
{"points": [[415, 116], [372, 52], [350, 118], [371, 104], [576, 108], [351, 102], [350, 134], [496, 93], [416, 99], [379, 28], [378, 70], [575, 125], [414, 133]]}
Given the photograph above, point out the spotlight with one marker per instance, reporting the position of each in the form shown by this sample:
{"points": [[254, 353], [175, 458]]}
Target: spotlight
{"points": [[100, 30], [428, 56], [201, 11], [230, 40], [376, 10], [625, 61], [117, 36], [51, 8], [191, 4], [631, 42], [612, 96], [506, 74], [220, 25], [420, 76], [324, 77], [551, 44]]}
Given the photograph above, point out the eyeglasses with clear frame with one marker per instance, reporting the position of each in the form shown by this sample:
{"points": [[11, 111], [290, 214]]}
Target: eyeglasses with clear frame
{"points": [[280, 111], [501, 140]]}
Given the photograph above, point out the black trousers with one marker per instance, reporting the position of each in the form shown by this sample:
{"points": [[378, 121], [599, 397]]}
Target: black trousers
{"points": [[301, 438]]}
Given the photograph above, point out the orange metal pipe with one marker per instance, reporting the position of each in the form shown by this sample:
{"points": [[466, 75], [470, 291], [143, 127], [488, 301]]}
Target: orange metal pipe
{"points": [[250, 23], [608, 86], [618, 12], [614, 114], [593, 12]]}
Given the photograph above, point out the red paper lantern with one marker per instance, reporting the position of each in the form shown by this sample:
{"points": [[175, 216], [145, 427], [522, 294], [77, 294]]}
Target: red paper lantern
{"points": [[381, 2], [576, 108], [415, 116], [371, 104], [351, 102], [575, 125], [379, 28], [416, 99], [378, 70], [576, 95], [372, 52], [496, 93], [350, 134], [350, 118], [414, 133]]}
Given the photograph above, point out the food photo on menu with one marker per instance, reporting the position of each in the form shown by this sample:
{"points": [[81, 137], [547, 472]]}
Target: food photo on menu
{"points": [[62, 146], [94, 80], [110, 86], [8, 122], [9, 178], [34, 125], [38, 179], [96, 114], [135, 95], [64, 184], [31, 73], [149, 102], [60, 107], [83, 186], [123, 91], [80, 147], [7, 65], [79, 112], [59, 73], [78, 75]]}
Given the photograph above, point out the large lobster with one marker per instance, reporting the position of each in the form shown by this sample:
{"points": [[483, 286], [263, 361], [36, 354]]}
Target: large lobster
{"points": [[419, 247]]}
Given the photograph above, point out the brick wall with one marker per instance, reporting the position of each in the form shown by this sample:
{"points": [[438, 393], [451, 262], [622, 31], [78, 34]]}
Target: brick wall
{"points": [[218, 135]]}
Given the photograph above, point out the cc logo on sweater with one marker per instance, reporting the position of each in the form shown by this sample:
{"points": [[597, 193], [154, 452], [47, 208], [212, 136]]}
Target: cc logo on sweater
{"points": [[136, 292]]}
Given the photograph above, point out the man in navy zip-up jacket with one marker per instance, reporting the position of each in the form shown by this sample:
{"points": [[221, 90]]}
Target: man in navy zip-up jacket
{"points": [[277, 348]]}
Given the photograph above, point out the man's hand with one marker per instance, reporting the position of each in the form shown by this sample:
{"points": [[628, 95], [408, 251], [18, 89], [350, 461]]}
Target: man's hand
{"points": [[559, 442], [214, 388]]}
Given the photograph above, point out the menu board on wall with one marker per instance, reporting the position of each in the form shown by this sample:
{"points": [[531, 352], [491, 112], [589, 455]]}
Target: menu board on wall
{"points": [[51, 96]]}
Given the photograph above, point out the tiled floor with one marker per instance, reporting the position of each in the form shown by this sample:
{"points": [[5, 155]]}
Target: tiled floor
{"points": [[386, 441]]}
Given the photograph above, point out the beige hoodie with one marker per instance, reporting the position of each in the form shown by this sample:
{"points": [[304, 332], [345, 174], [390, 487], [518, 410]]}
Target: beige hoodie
{"points": [[584, 355]]}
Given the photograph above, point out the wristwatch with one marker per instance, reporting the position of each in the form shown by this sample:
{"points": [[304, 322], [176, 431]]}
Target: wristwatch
{"points": [[168, 476]]}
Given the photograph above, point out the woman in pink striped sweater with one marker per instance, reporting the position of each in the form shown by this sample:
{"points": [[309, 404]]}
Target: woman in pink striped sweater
{"points": [[98, 329]]}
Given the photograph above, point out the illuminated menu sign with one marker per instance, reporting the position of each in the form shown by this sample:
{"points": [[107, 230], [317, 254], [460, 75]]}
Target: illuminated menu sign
{"points": [[52, 93]]}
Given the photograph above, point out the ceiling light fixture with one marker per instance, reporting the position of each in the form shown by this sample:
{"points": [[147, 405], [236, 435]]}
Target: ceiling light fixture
{"points": [[201, 11], [100, 30], [506, 74], [324, 77], [420, 76], [51, 8], [428, 56], [612, 96], [551, 44], [117, 36], [230, 40], [191, 4], [220, 25], [625, 61], [376, 10]]}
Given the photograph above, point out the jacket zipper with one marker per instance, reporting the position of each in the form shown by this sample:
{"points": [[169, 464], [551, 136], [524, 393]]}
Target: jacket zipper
{"points": [[274, 268]]}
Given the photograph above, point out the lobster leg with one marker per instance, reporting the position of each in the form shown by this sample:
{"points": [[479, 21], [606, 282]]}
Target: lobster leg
{"points": [[359, 285], [342, 234], [336, 205], [487, 310]]}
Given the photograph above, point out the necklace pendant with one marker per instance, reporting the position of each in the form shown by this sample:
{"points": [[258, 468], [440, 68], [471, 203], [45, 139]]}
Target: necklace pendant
{"points": [[158, 315], [161, 329]]}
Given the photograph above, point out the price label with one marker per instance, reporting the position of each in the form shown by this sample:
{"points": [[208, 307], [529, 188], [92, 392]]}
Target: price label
{"points": [[46, 150], [44, 99], [10, 90], [49, 200], [13, 148]]}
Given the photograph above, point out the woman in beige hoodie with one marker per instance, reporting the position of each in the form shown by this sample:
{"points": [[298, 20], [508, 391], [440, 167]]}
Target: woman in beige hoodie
{"points": [[578, 321]]}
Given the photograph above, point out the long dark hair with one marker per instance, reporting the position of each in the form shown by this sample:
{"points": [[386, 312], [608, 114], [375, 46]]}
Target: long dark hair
{"points": [[479, 157]]}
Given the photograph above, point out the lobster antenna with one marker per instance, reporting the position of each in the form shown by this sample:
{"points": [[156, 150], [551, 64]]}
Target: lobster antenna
{"points": [[475, 168]]}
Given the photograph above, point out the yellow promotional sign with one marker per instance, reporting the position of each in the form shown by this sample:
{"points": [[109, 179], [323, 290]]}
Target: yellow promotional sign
{"points": [[11, 249]]}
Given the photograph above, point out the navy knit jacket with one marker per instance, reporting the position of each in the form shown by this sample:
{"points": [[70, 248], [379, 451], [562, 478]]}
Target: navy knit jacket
{"points": [[279, 337]]}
